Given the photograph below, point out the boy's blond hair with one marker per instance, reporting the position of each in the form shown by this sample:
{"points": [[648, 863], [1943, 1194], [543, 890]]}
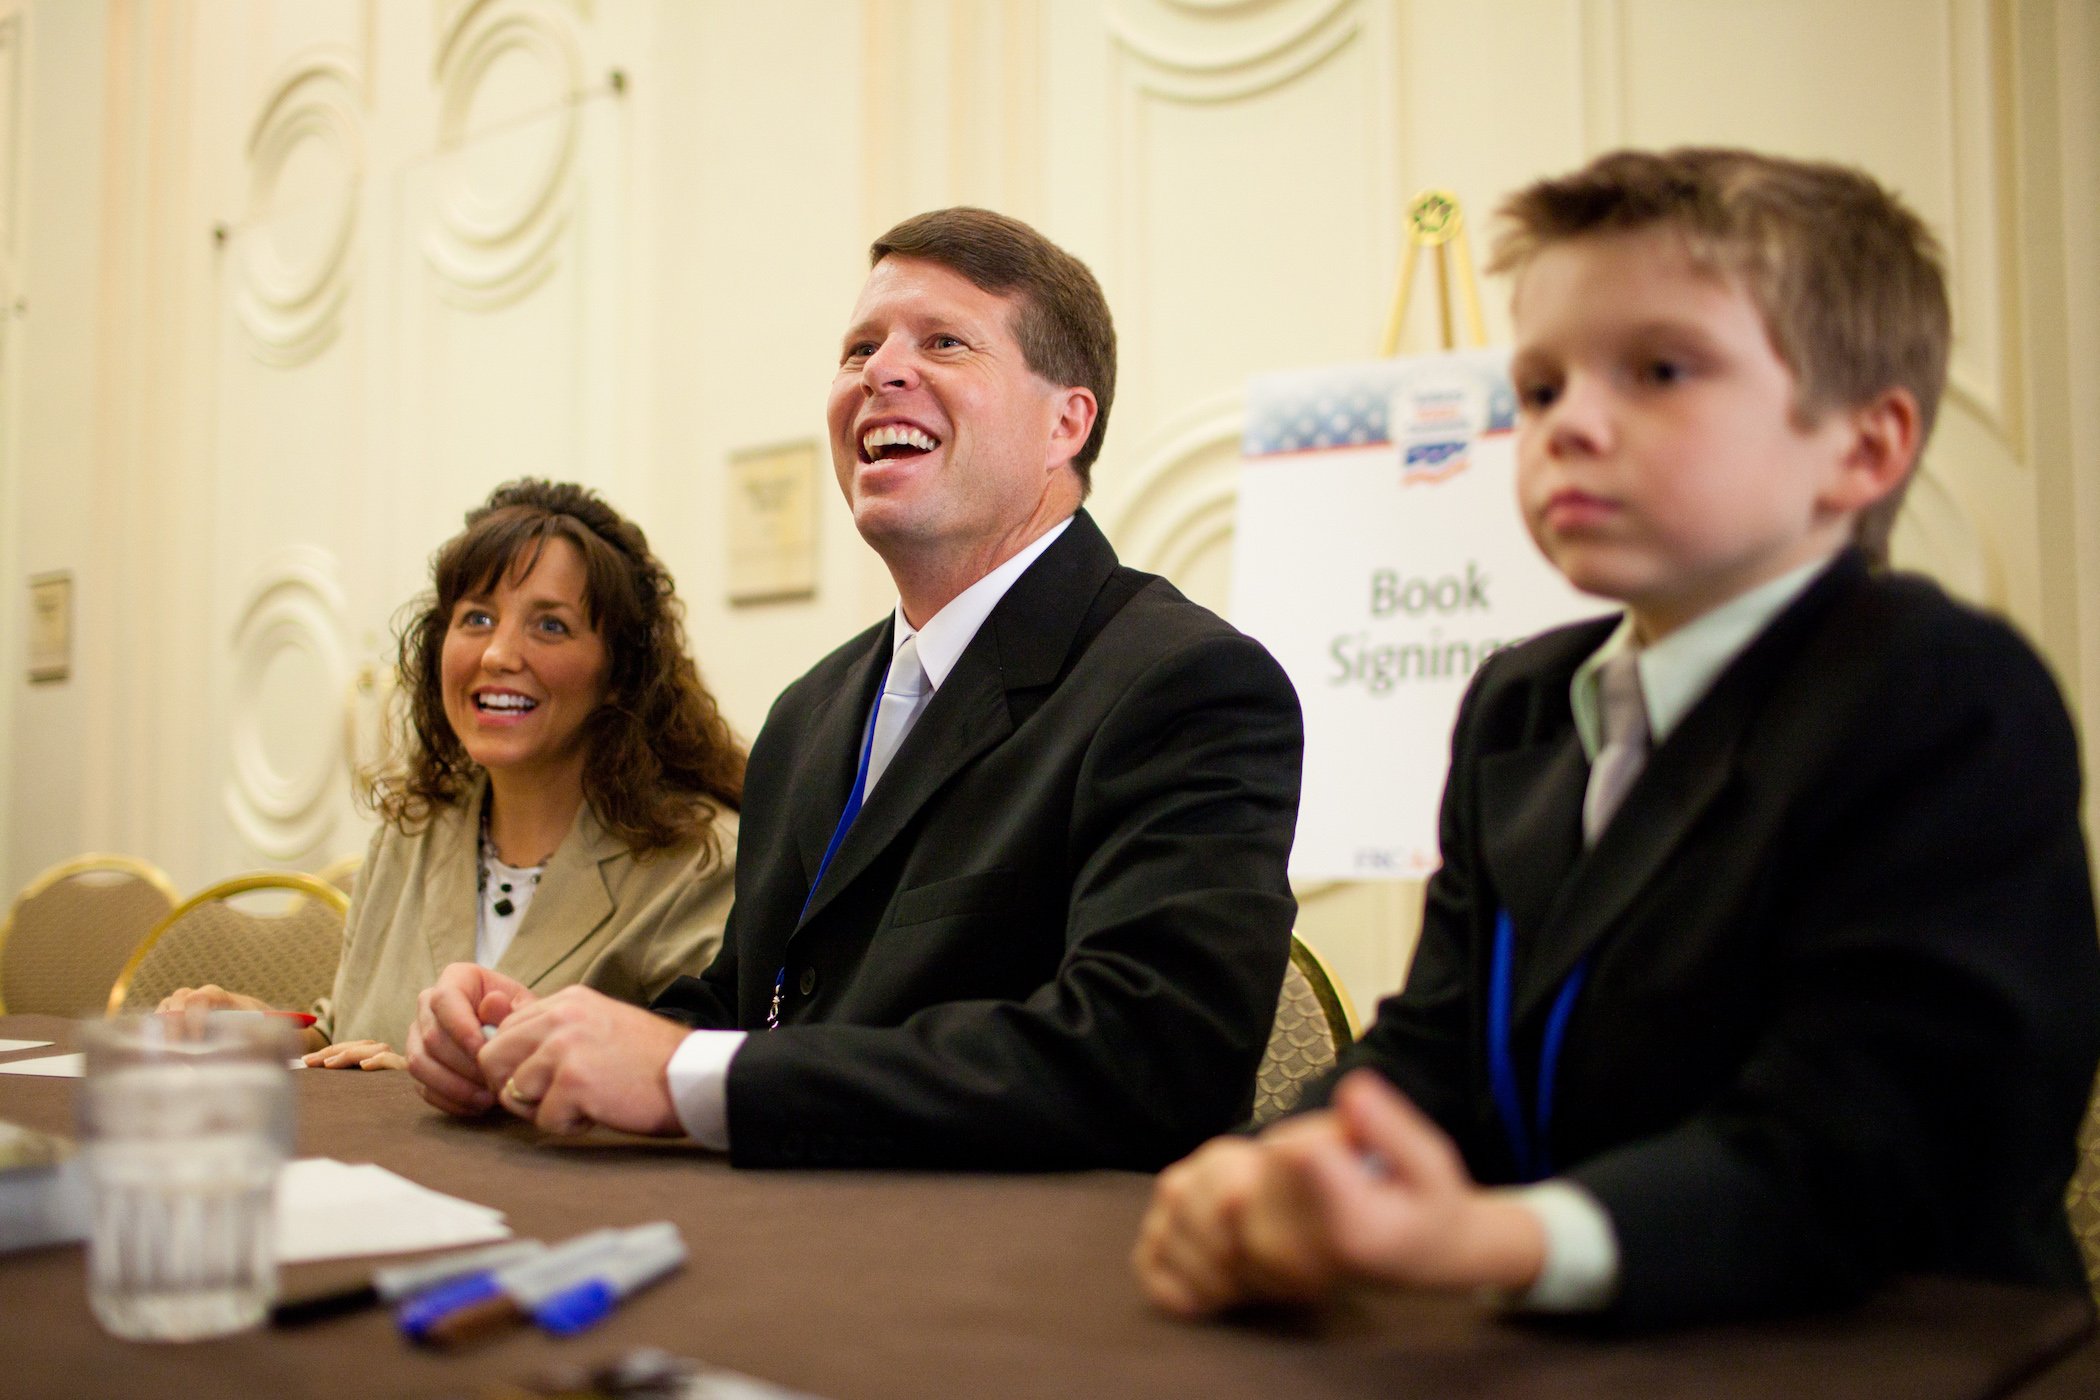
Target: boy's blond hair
{"points": [[1847, 279]]}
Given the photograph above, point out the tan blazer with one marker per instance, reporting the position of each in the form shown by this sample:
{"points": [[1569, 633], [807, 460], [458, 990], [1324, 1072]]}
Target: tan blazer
{"points": [[601, 918]]}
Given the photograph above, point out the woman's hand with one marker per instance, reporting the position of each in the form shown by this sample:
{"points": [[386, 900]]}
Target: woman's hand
{"points": [[445, 1039], [356, 1054], [210, 997]]}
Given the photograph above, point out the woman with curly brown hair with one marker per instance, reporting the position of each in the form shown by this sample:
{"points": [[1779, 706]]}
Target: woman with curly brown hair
{"points": [[565, 808]]}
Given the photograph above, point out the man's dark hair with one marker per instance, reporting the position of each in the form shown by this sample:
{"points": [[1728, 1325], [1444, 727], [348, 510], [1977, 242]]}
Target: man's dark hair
{"points": [[1061, 321]]}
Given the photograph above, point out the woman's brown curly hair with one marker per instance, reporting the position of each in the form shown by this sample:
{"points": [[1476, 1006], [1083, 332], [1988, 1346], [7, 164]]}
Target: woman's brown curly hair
{"points": [[661, 763]]}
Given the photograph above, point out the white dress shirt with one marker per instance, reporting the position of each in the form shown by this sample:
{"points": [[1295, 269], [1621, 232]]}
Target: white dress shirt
{"points": [[699, 1070], [1581, 1271]]}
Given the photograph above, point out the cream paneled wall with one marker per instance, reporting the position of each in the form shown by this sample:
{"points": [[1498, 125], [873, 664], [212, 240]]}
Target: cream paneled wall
{"points": [[12, 179], [615, 239]]}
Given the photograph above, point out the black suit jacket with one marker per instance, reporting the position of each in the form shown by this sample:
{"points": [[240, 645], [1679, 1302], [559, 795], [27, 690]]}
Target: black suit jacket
{"points": [[1055, 935], [1843, 1002]]}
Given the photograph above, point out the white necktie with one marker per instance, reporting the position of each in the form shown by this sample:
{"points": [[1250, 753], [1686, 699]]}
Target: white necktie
{"points": [[1624, 718], [904, 694]]}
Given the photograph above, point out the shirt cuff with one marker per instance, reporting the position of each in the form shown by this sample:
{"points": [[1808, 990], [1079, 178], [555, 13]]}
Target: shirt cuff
{"points": [[699, 1081], [1581, 1272]]}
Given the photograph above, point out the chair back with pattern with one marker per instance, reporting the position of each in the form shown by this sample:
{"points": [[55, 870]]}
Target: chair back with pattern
{"points": [[1314, 1024], [72, 928], [284, 955], [2083, 1199]]}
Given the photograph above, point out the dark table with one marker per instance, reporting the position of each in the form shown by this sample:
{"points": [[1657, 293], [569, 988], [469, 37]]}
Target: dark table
{"points": [[859, 1284]]}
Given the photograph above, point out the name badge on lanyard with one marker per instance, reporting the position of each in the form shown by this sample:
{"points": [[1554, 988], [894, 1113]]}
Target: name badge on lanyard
{"points": [[1529, 1143]]}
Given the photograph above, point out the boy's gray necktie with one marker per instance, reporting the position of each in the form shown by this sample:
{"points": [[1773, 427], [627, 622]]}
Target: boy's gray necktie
{"points": [[904, 694], [1624, 720]]}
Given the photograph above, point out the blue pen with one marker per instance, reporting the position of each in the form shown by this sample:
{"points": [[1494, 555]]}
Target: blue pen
{"points": [[417, 1315], [436, 1313], [539, 1282], [647, 1254], [406, 1280], [391, 1285]]}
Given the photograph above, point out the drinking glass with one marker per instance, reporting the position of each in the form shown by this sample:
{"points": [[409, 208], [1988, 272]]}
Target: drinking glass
{"points": [[185, 1120]]}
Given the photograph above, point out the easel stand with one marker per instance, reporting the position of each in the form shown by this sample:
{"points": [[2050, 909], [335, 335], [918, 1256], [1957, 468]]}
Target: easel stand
{"points": [[1435, 222]]}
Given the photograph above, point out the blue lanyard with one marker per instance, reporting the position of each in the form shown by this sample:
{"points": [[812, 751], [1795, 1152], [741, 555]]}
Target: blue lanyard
{"points": [[838, 834], [1530, 1146]]}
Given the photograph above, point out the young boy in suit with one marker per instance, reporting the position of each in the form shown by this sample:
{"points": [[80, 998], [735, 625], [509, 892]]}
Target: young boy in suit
{"points": [[1762, 961]]}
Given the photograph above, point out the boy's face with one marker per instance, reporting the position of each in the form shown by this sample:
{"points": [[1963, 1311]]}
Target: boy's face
{"points": [[1658, 460]]}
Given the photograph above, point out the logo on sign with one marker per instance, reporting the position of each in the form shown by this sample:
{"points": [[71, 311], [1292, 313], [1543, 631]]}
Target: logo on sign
{"points": [[1439, 411]]}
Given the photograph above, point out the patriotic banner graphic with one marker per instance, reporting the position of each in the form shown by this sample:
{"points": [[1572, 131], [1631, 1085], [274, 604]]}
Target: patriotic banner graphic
{"points": [[1380, 556]]}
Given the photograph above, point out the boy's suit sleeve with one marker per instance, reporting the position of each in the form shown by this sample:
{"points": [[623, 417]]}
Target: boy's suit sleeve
{"points": [[1422, 1035]]}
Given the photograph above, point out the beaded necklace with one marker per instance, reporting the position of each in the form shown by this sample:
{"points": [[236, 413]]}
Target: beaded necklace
{"points": [[485, 872]]}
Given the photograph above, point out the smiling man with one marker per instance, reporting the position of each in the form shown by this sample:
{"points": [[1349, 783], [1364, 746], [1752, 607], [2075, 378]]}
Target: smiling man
{"points": [[1011, 885]]}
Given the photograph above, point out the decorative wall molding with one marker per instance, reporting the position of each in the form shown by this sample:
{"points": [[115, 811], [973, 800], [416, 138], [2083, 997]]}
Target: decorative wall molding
{"points": [[1972, 93], [10, 136], [295, 602], [374, 713], [1183, 491], [452, 15], [1603, 75], [291, 299], [1982, 278], [1940, 530], [1217, 7], [1936, 533], [1225, 50], [498, 230]]}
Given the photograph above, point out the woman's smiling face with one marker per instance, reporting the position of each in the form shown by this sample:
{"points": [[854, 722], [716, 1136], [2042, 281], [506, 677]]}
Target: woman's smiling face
{"points": [[523, 668]]}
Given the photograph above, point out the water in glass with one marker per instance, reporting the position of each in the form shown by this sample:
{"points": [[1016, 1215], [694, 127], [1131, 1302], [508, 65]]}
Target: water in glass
{"points": [[184, 1138]]}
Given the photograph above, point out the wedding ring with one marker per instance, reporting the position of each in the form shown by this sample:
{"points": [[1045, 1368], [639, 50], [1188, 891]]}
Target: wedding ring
{"points": [[510, 1091]]}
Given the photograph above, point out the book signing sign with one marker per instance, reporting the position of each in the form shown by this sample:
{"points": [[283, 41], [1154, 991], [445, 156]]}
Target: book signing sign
{"points": [[1380, 557]]}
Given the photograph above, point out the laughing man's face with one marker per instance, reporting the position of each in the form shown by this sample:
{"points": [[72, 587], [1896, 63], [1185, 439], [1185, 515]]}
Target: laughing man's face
{"points": [[944, 440]]}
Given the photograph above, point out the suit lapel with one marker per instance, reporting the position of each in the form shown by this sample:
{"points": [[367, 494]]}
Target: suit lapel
{"points": [[449, 893], [825, 769], [965, 717], [1023, 644], [1672, 793], [1531, 824], [1684, 779], [573, 899], [1529, 797]]}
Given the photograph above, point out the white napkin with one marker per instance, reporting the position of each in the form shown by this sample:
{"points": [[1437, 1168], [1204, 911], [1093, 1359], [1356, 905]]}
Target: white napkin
{"points": [[336, 1210], [50, 1066]]}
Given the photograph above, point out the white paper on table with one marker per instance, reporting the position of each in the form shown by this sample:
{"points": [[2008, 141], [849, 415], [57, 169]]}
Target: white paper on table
{"points": [[7, 1046], [337, 1210], [52, 1066]]}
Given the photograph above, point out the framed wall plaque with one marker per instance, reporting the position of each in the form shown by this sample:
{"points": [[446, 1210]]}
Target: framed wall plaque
{"points": [[51, 626], [772, 519]]}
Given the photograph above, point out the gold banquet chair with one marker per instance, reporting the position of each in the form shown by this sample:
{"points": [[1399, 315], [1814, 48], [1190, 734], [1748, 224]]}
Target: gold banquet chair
{"points": [[71, 929], [2083, 1199], [1314, 1024], [285, 955], [342, 872]]}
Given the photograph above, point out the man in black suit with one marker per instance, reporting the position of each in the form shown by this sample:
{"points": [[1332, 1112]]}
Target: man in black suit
{"points": [[1762, 960], [1011, 887]]}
